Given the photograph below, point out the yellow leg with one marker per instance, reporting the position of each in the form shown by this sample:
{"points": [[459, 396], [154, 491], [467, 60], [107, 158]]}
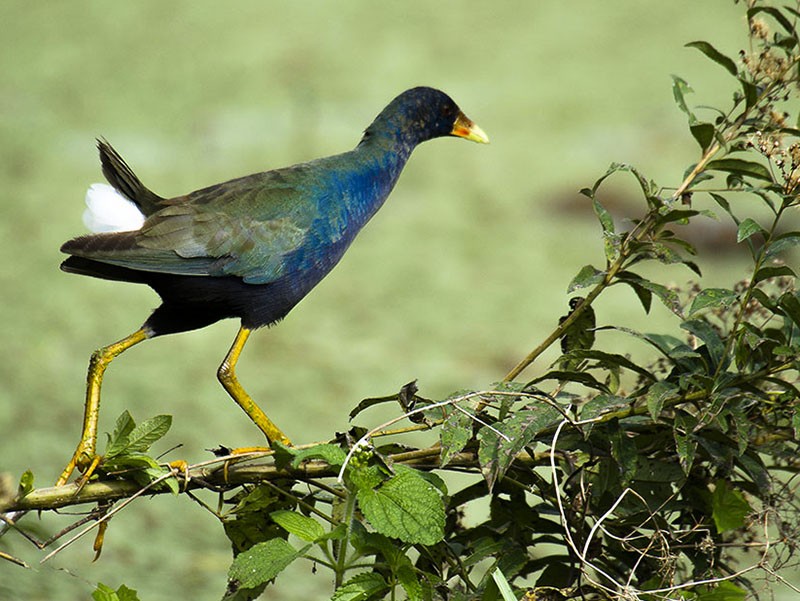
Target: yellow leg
{"points": [[85, 454], [227, 377]]}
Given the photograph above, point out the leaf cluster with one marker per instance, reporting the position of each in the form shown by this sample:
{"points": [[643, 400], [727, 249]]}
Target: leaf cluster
{"points": [[669, 473]]}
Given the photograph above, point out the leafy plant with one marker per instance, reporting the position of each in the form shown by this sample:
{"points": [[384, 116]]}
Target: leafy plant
{"points": [[605, 476]]}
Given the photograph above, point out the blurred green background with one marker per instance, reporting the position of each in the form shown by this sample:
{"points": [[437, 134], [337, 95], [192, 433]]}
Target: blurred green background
{"points": [[457, 278]]}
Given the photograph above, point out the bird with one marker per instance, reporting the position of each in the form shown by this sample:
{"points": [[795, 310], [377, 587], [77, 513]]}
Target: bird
{"points": [[249, 248]]}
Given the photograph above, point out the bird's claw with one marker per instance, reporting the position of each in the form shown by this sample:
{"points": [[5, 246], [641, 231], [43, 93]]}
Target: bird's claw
{"points": [[181, 467], [86, 461]]}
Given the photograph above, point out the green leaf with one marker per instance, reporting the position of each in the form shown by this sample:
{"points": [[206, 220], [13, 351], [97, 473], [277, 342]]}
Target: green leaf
{"points": [[715, 55], [587, 276], [685, 443], [668, 297], [25, 483], [790, 303], [783, 243], [705, 332], [118, 439], [303, 527], [644, 295], [703, 133], [602, 404], [796, 422], [580, 335], [729, 508], [605, 218], [766, 273], [747, 228], [361, 587], [408, 579], [329, 453], [712, 297], [261, 563], [142, 437], [623, 450], [502, 585], [612, 360], [750, 92], [406, 506], [454, 435], [131, 460], [106, 593], [776, 14], [741, 167], [496, 453], [656, 395], [679, 90], [724, 591]]}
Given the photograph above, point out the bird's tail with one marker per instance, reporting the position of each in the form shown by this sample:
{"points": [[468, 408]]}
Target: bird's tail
{"points": [[104, 271], [125, 181]]}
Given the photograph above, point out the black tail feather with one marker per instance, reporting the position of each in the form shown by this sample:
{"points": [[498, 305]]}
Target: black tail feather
{"points": [[104, 271], [124, 180]]}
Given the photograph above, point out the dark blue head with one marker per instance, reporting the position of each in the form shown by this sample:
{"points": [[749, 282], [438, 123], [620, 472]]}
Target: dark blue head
{"points": [[421, 114]]}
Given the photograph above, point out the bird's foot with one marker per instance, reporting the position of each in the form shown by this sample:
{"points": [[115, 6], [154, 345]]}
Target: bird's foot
{"points": [[181, 467], [237, 455], [86, 460]]}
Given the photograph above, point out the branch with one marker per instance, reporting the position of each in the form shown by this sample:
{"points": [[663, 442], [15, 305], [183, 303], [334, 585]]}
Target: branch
{"points": [[227, 477]]}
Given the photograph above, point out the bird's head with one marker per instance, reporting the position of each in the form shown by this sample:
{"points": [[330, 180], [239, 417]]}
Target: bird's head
{"points": [[421, 114]]}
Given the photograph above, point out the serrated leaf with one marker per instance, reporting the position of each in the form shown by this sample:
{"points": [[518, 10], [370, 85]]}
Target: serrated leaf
{"points": [[408, 579], [729, 508], [496, 453], [261, 563], [142, 437], [587, 276], [124, 425], [361, 587], [118, 439], [712, 297], [715, 55], [741, 167], [747, 228], [454, 435], [106, 593], [406, 506], [303, 527]]}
